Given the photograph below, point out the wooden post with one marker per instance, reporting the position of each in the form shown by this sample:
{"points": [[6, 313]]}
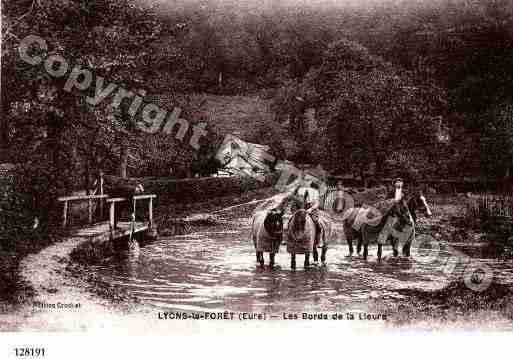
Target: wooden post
{"points": [[65, 214], [101, 193], [133, 207], [124, 159], [112, 216], [150, 211], [90, 211]]}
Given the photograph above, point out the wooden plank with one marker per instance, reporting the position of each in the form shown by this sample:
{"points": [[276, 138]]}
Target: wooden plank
{"points": [[145, 196], [81, 198], [102, 231], [116, 199]]}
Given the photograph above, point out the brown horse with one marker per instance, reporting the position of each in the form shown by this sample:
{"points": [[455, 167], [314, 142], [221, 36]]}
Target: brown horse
{"points": [[366, 224]]}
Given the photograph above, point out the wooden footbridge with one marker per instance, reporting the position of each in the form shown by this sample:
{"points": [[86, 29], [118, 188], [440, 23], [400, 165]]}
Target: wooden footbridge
{"points": [[113, 228]]}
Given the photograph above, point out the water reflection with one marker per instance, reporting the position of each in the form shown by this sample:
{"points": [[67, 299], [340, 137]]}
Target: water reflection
{"points": [[216, 270]]}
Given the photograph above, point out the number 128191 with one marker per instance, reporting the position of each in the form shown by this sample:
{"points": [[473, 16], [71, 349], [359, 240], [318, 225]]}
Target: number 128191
{"points": [[29, 352]]}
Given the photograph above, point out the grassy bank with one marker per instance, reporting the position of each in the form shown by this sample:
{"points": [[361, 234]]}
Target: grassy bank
{"points": [[452, 305]]}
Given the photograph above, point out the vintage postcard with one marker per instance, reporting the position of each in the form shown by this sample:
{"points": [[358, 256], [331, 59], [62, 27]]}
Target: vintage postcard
{"points": [[172, 166]]}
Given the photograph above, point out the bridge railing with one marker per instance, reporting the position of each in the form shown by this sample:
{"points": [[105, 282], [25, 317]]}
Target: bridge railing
{"points": [[150, 198], [112, 207], [112, 210], [89, 199]]}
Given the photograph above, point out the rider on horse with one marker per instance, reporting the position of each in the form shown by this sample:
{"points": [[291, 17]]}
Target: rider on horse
{"points": [[303, 194], [308, 194], [341, 203], [398, 196], [397, 193]]}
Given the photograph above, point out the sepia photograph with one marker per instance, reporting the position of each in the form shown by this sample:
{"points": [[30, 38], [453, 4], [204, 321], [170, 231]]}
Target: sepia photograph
{"points": [[174, 166]]}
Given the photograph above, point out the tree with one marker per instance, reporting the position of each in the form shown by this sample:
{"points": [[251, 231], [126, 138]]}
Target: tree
{"points": [[497, 141], [62, 135], [369, 109]]}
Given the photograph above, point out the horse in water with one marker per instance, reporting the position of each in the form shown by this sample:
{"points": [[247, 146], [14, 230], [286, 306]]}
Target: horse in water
{"points": [[415, 203], [366, 224], [266, 233], [398, 225], [301, 237], [304, 236]]}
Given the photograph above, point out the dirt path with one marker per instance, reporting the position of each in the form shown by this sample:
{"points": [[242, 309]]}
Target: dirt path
{"points": [[45, 273]]}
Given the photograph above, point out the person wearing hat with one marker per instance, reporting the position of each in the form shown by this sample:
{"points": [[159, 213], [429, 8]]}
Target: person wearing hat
{"points": [[310, 195], [341, 204], [397, 194]]}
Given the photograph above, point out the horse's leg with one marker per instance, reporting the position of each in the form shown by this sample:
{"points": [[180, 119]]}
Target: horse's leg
{"points": [[407, 249], [293, 260], [323, 254], [364, 240], [380, 251], [271, 260], [394, 247], [350, 245], [260, 258], [307, 259], [315, 254]]}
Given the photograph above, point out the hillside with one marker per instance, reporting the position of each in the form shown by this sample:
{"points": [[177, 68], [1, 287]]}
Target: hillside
{"points": [[247, 117]]}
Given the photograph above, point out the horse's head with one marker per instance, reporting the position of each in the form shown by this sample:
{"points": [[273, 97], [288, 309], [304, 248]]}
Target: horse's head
{"points": [[273, 222], [418, 201]]}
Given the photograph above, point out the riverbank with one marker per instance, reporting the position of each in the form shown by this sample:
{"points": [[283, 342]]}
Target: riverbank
{"points": [[455, 305], [56, 301]]}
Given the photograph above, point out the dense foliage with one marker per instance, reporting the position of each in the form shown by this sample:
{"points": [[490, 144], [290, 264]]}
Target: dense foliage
{"points": [[414, 87]]}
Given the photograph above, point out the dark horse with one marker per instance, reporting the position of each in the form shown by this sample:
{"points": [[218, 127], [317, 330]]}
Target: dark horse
{"points": [[266, 233], [415, 202], [366, 224]]}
